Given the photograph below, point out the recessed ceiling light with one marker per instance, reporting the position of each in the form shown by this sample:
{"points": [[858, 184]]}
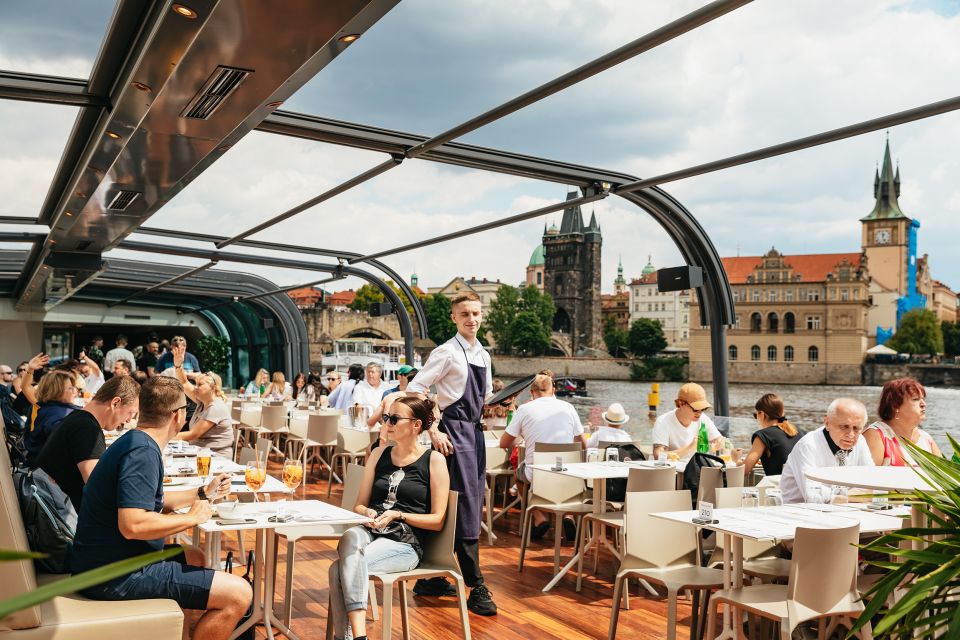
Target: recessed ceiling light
{"points": [[111, 134], [274, 105], [68, 214], [184, 11], [141, 86], [350, 37]]}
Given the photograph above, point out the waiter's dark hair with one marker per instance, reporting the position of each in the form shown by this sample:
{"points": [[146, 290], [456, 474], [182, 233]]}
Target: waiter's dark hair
{"points": [[465, 296], [355, 372], [422, 409]]}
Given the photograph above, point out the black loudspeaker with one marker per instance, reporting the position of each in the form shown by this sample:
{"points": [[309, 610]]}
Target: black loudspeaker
{"points": [[380, 309], [679, 278]]}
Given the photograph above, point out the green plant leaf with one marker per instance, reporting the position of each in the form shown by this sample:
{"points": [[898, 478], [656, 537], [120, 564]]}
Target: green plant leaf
{"points": [[6, 556], [83, 580]]}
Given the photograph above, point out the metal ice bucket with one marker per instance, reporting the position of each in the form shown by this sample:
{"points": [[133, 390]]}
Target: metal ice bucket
{"points": [[359, 414]]}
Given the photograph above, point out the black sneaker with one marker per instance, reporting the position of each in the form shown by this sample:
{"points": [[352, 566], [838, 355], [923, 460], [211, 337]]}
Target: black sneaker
{"points": [[481, 602], [434, 587], [537, 531], [569, 530]]}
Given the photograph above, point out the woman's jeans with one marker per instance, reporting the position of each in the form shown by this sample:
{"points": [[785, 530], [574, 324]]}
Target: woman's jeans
{"points": [[362, 553]]}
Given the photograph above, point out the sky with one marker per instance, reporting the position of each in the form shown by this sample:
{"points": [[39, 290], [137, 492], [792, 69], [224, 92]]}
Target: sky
{"points": [[766, 73]]}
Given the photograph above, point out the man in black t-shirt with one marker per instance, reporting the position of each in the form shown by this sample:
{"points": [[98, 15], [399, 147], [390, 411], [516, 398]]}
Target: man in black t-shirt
{"points": [[148, 361], [72, 451]]}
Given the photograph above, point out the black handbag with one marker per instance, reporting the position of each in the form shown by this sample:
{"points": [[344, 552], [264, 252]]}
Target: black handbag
{"points": [[249, 634]]}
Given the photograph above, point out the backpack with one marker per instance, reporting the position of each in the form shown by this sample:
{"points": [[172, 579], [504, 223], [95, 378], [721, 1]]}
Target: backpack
{"points": [[617, 487], [691, 474], [48, 517], [13, 430]]}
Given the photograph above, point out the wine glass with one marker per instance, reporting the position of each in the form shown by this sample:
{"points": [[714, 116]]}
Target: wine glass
{"points": [[254, 475], [292, 477]]}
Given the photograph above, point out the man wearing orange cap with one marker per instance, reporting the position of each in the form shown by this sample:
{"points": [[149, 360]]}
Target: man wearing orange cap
{"points": [[676, 431]]}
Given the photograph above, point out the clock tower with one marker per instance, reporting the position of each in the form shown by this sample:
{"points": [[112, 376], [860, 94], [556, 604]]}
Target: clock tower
{"points": [[889, 241]]}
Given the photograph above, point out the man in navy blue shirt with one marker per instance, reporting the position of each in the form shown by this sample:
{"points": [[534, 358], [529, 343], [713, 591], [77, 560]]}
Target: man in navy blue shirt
{"points": [[190, 363], [125, 512]]}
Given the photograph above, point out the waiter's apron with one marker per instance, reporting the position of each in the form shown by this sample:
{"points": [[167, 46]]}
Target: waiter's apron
{"points": [[468, 462]]}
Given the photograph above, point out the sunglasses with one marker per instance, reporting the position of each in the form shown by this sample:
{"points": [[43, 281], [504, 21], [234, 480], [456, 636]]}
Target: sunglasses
{"points": [[692, 409], [22, 370], [394, 419], [332, 379]]}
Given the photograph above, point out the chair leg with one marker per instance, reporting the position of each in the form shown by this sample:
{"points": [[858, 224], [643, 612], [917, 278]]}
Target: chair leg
{"points": [[711, 618], [557, 527], [488, 501], [786, 633], [387, 615], [524, 536], [671, 614], [329, 633], [288, 583], [404, 618], [462, 598], [615, 613], [581, 543], [374, 607]]}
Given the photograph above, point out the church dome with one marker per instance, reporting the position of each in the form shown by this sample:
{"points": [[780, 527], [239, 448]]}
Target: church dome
{"points": [[648, 268], [536, 258]]}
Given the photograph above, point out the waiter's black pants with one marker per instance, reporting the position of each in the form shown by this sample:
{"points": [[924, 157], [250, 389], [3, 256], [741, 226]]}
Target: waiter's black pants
{"points": [[468, 555]]}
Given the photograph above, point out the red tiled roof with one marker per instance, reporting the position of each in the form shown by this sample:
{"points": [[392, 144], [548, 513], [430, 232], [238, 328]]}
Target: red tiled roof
{"points": [[812, 267], [342, 298], [650, 278]]}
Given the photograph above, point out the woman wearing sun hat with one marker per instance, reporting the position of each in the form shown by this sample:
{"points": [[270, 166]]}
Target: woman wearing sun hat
{"points": [[614, 418]]}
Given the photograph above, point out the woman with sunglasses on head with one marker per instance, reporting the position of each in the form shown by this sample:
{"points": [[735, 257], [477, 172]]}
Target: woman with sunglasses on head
{"points": [[774, 441], [404, 490], [903, 406], [56, 394], [210, 425]]}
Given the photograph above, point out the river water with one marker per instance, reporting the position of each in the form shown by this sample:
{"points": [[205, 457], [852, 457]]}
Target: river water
{"points": [[805, 406]]}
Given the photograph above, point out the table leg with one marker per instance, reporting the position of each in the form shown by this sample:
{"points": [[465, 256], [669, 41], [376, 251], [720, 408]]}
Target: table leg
{"points": [[728, 578], [257, 614], [270, 619], [599, 501]]}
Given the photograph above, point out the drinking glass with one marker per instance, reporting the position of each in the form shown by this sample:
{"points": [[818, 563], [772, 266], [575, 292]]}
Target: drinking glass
{"points": [[662, 458], [203, 463], [774, 498], [749, 498], [818, 493], [613, 454], [255, 476], [839, 495]]}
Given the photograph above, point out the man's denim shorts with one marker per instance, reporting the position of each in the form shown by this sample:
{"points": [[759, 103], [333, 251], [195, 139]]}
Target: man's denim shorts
{"points": [[172, 579]]}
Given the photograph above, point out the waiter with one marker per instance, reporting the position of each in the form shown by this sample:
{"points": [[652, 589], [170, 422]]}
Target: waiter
{"points": [[460, 371]]}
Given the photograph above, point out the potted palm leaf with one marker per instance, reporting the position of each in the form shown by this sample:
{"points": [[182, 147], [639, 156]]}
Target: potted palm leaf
{"points": [[918, 593]]}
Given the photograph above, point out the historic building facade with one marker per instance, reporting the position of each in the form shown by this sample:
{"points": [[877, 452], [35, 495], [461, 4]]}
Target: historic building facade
{"points": [[572, 278], [810, 318], [670, 308], [484, 287], [616, 305]]}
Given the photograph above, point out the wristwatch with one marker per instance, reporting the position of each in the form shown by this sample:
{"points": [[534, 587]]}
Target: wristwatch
{"points": [[201, 494], [400, 517]]}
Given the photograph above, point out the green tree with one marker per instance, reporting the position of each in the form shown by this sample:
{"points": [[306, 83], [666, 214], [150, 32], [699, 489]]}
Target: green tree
{"points": [[528, 334], [500, 315], [615, 338], [369, 294], [919, 333], [646, 338], [951, 338], [439, 324]]}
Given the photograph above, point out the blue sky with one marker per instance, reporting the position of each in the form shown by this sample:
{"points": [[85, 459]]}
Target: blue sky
{"points": [[769, 72]]}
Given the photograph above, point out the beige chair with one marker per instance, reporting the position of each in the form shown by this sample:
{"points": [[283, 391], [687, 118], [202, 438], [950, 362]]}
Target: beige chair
{"points": [[759, 558], [711, 479], [297, 434], [555, 494], [69, 617], [250, 414], [822, 585], [351, 447], [273, 425], [498, 466], [438, 560], [557, 447], [639, 479], [322, 429], [662, 552]]}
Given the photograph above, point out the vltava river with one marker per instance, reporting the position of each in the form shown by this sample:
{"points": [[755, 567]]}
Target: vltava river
{"points": [[805, 406]]}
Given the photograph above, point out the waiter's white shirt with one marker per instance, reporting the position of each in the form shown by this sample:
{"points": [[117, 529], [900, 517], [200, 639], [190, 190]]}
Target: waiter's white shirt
{"points": [[446, 370], [813, 450]]}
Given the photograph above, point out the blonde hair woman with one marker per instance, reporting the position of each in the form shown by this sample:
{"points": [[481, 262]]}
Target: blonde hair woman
{"points": [[279, 388], [210, 426], [56, 393], [258, 386]]}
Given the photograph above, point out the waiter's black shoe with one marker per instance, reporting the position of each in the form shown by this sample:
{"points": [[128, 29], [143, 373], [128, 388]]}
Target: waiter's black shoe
{"points": [[537, 531], [481, 602], [434, 587], [569, 530]]}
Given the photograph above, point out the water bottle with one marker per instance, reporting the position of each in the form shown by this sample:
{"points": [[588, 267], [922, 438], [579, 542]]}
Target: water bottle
{"points": [[703, 442], [509, 416]]}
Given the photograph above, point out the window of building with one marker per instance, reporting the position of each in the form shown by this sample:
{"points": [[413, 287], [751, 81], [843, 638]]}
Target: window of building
{"points": [[788, 354], [755, 295], [736, 295], [788, 295], [856, 294], [732, 352], [649, 307], [771, 354], [833, 293], [539, 277], [685, 334], [773, 323], [813, 295], [755, 353], [755, 321], [772, 295], [813, 323], [789, 322], [686, 319], [736, 321], [813, 354], [844, 294]]}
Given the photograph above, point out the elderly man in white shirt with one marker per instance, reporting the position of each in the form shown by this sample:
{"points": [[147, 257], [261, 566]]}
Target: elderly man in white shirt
{"points": [[836, 444], [369, 391]]}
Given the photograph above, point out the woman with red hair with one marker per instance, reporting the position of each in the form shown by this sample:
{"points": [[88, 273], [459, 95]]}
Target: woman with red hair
{"points": [[902, 408]]}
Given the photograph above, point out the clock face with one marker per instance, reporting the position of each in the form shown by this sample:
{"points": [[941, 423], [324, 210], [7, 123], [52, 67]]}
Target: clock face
{"points": [[882, 236]]}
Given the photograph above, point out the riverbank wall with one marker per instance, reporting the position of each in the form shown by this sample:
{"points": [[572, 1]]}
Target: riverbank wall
{"points": [[589, 368]]}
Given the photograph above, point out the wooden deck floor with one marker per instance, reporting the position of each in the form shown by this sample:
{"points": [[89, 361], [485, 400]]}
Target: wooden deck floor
{"points": [[525, 612]]}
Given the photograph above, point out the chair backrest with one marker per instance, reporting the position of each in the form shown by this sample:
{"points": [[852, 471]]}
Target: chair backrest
{"points": [[298, 425], [274, 417], [729, 498], [655, 542], [553, 488], [351, 486], [18, 576], [352, 440], [494, 434], [711, 479], [236, 411], [652, 479], [250, 415], [824, 566], [556, 447], [323, 427], [245, 455], [438, 548], [497, 458]]}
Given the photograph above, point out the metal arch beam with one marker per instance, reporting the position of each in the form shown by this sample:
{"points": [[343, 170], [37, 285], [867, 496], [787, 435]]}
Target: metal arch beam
{"points": [[167, 282], [406, 325], [275, 292], [33, 87], [289, 248]]}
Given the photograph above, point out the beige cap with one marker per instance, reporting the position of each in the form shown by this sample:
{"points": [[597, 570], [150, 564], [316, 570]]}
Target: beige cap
{"points": [[694, 395]]}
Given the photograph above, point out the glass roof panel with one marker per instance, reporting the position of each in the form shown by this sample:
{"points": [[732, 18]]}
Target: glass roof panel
{"points": [[52, 37], [32, 137]]}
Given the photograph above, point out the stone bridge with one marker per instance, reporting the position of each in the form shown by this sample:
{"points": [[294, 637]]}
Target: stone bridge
{"points": [[324, 325]]}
